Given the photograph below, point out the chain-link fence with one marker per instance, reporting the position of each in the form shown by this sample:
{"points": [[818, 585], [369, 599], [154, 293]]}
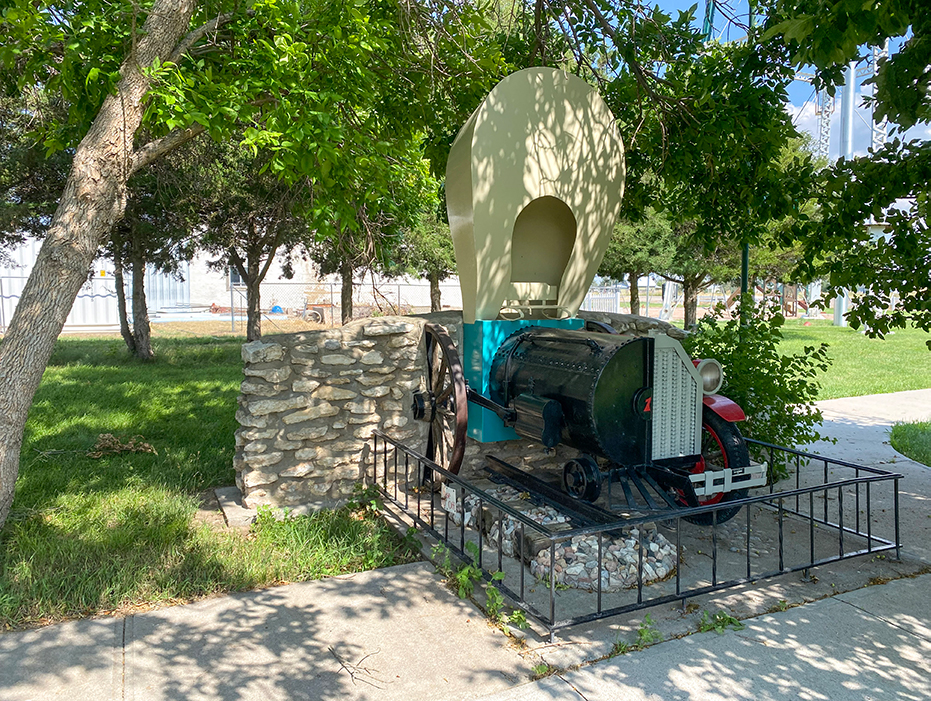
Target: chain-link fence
{"points": [[322, 302], [296, 306], [291, 306]]}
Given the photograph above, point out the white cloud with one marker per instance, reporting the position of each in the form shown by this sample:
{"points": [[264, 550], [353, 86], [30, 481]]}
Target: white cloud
{"points": [[805, 118]]}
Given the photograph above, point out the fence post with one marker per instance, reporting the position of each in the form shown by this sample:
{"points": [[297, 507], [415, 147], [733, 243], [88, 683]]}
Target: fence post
{"points": [[232, 306]]}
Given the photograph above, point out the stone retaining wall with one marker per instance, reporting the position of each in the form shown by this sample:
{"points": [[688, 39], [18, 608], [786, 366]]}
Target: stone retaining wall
{"points": [[310, 402]]}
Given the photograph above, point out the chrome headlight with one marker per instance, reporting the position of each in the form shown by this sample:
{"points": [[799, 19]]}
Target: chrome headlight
{"points": [[712, 376]]}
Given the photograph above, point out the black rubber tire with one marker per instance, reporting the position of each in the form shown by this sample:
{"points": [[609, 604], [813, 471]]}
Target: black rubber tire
{"points": [[720, 437], [581, 478]]}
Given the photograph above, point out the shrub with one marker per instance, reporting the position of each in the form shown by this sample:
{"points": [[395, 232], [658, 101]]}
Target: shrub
{"points": [[775, 391]]}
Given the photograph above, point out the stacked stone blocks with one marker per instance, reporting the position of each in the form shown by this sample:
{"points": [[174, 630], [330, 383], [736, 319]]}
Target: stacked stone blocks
{"points": [[310, 402]]}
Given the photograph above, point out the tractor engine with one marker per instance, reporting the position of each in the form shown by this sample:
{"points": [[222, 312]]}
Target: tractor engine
{"points": [[631, 400]]}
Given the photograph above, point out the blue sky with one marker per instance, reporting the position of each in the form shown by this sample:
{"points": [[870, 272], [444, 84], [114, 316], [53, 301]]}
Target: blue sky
{"points": [[801, 95]]}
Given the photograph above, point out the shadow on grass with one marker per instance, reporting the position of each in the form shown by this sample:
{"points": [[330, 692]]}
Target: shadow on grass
{"points": [[113, 550], [186, 413]]}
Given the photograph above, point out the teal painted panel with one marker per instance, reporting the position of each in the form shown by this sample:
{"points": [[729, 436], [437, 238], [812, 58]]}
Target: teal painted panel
{"points": [[480, 341]]}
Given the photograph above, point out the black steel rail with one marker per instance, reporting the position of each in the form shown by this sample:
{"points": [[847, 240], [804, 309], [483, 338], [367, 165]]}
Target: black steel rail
{"points": [[583, 512]]}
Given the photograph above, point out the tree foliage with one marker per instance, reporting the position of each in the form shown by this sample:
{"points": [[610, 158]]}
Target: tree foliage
{"points": [[243, 213], [367, 230], [30, 182], [156, 232], [889, 185], [428, 252], [696, 253], [776, 391]]}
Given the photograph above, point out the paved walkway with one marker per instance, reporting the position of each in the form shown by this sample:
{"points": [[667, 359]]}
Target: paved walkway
{"points": [[401, 634]]}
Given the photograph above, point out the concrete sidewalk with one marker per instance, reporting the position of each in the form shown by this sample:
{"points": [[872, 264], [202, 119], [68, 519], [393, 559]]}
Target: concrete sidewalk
{"points": [[400, 633], [392, 634], [874, 643]]}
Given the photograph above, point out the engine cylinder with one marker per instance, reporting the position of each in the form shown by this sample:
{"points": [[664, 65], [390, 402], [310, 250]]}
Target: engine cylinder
{"points": [[602, 382]]}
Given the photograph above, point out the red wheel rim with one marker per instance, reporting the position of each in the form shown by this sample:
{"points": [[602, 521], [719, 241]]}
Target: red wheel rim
{"points": [[700, 466], [699, 469]]}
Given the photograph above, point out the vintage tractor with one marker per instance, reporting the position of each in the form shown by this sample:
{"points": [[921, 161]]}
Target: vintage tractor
{"points": [[534, 182]]}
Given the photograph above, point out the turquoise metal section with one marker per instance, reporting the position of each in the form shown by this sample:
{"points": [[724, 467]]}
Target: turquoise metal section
{"points": [[479, 343]]}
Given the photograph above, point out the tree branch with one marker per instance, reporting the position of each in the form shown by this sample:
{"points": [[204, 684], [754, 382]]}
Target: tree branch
{"points": [[196, 35], [155, 149], [271, 256], [641, 75], [237, 262]]}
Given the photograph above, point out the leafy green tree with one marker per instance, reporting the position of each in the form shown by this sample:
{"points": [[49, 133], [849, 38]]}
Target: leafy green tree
{"points": [[369, 231], [890, 184], [154, 231], [696, 266], [638, 248], [428, 252], [30, 182], [292, 77], [775, 390], [245, 214]]}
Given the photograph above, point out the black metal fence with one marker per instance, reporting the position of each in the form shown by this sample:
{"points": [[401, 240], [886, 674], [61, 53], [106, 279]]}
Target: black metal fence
{"points": [[563, 573]]}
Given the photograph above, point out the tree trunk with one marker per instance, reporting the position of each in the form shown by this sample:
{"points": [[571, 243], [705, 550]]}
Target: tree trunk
{"points": [[345, 298], [93, 200], [690, 294], [121, 299], [434, 292], [633, 276], [253, 300], [142, 333]]}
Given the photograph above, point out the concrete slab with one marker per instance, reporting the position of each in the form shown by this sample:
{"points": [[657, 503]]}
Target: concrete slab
{"points": [[912, 405], [236, 515], [396, 633], [76, 660], [861, 425], [829, 649], [903, 603]]}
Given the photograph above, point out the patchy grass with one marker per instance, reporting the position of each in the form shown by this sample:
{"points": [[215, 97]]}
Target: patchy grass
{"points": [[862, 365], [96, 535], [913, 440]]}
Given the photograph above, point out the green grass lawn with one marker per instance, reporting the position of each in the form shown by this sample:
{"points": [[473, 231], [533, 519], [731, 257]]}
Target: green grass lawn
{"points": [[913, 440], [862, 365], [90, 535]]}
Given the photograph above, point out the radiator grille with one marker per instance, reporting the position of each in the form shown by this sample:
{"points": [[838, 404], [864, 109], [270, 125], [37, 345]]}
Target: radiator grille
{"points": [[676, 405]]}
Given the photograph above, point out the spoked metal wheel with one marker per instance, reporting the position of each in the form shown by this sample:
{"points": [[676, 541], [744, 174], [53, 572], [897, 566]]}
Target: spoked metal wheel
{"points": [[443, 404]]}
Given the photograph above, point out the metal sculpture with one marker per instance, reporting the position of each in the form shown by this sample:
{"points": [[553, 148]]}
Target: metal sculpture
{"points": [[534, 182]]}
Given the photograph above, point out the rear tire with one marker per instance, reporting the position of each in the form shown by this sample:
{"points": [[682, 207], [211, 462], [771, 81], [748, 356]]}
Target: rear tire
{"points": [[722, 446]]}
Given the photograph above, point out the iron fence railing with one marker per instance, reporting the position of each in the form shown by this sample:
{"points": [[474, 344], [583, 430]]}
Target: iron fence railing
{"points": [[835, 510]]}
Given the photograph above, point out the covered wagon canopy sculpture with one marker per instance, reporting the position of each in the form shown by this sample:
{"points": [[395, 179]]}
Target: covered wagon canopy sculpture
{"points": [[534, 183]]}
